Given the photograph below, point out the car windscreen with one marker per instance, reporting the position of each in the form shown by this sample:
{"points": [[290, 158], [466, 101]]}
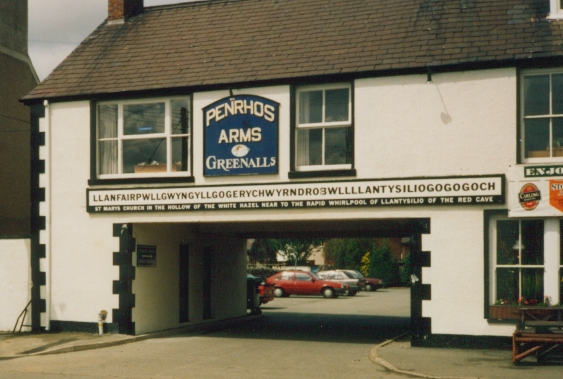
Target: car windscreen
{"points": [[350, 275], [360, 275], [315, 276]]}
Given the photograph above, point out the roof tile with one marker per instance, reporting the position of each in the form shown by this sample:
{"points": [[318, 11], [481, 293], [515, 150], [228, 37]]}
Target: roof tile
{"points": [[233, 41]]}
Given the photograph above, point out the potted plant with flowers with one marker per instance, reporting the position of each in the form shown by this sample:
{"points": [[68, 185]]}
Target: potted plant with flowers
{"points": [[504, 309]]}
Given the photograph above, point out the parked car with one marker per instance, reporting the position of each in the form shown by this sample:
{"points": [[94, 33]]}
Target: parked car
{"points": [[266, 292], [257, 293], [304, 283], [353, 282], [369, 284]]}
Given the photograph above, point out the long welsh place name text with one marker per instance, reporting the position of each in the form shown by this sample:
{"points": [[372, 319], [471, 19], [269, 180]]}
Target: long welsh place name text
{"points": [[292, 192]]}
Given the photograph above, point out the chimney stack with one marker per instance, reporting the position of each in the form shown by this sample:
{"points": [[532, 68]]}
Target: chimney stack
{"points": [[120, 10]]}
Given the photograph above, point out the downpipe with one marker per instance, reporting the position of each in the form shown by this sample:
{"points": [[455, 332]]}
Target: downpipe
{"points": [[101, 319]]}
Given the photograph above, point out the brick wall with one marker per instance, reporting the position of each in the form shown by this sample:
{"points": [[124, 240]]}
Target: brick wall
{"points": [[122, 9]]}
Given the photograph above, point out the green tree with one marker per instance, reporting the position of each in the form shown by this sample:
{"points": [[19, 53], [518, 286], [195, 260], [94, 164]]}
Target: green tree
{"points": [[332, 250], [262, 252], [382, 265], [347, 253], [295, 250], [353, 254]]}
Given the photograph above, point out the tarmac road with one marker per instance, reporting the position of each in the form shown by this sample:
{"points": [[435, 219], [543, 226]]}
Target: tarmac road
{"points": [[297, 337]]}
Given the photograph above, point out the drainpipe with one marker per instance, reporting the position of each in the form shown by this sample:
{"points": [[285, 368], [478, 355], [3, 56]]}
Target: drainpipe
{"points": [[47, 177]]}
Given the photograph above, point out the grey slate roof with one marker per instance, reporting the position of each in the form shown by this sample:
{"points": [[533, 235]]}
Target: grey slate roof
{"points": [[223, 42]]}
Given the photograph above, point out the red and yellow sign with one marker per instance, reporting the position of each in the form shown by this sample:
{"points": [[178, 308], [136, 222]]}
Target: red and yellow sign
{"points": [[529, 196], [556, 194]]}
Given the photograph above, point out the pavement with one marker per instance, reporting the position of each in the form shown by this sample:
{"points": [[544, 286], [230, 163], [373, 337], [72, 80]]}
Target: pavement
{"points": [[24, 344], [395, 355]]}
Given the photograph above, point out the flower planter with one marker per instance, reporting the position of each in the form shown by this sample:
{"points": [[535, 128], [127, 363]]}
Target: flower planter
{"points": [[503, 312]]}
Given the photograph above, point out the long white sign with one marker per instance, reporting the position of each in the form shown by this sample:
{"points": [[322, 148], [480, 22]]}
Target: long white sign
{"points": [[368, 193]]}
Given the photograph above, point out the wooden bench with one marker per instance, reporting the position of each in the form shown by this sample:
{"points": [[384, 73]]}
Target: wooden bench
{"points": [[539, 331]]}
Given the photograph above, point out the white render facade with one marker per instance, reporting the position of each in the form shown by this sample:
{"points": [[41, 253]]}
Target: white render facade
{"points": [[468, 117], [165, 141]]}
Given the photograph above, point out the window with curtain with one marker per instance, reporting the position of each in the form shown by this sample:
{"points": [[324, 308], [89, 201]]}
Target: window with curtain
{"points": [[143, 138], [542, 116], [518, 262], [323, 135]]}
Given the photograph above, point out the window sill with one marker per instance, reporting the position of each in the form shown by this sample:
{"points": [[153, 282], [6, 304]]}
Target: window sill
{"points": [[321, 174], [154, 180]]}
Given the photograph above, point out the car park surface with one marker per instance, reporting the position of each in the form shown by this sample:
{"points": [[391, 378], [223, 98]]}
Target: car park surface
{"points": [[291, 282]]}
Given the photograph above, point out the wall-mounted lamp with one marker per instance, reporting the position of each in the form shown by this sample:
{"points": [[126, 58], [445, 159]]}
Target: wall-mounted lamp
{"points": [[518, 246]]}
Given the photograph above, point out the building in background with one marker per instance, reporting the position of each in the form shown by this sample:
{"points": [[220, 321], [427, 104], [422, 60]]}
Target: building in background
{"points": [[17, 78]]}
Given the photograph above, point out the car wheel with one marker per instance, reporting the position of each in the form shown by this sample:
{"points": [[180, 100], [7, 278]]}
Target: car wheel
{"points": [[369, 287], [279, 292], [328, 292], [352, 293]]}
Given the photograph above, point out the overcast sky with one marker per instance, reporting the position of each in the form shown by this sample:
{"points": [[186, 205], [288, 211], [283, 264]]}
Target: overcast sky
{"points": [[56, 27]]}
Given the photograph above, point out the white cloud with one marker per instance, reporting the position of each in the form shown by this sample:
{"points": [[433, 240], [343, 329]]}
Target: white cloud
{"points": [[56, 27]]}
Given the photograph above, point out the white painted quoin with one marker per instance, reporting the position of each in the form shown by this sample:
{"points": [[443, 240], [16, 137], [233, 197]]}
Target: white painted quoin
{"points": [[431, 154]]}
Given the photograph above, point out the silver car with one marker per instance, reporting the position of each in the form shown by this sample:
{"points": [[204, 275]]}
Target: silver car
{"points": [[354, 284]]}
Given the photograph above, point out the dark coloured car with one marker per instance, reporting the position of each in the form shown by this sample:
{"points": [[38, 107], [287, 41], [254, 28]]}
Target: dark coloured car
{"points": [[369, 284], [257, 293], [304, 283]]}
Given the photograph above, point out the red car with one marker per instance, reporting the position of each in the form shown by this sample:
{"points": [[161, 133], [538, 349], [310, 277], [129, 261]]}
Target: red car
{"points": [[304, 283], [255, 286], [266, 293]]}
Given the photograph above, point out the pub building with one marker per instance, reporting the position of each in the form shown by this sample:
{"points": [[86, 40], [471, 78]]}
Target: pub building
{"points": [[174, 133]]}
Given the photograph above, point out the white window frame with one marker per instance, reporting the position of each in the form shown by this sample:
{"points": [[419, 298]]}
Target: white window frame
{"points": [[322, 125], [550, 116], [556, 10], [167, 135], [551, 264]]}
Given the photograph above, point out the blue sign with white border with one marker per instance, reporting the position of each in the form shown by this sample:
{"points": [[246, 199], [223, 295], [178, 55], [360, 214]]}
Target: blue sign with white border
{"points": [[241, 136]]}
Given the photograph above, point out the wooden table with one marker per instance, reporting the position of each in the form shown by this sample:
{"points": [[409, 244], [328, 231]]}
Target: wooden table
{"points": [[539, 331]]}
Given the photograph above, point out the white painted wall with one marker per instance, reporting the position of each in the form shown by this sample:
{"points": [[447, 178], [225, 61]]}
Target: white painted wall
{"points": [[461, 124], [15, 285], [156, 289], [82, 247], [457, 274]]}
